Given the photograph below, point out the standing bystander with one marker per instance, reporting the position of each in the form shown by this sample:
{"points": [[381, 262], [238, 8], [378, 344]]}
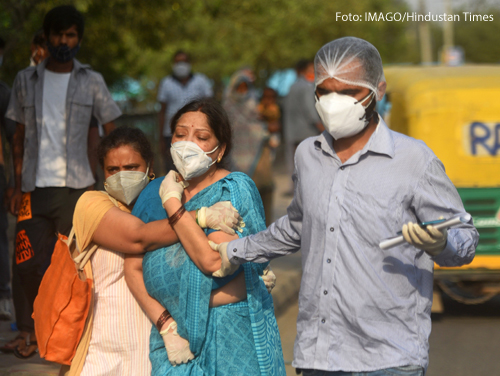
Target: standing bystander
{"points": [[176, 90], [300, 119], [7, 131], [52, 105]]}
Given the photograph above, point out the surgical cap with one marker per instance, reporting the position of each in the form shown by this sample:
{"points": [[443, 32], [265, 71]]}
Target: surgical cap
{"points": [[342, 58]]}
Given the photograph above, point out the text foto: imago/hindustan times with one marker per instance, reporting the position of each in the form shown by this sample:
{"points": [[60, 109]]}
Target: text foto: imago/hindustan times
{"points": [[412, 16]]}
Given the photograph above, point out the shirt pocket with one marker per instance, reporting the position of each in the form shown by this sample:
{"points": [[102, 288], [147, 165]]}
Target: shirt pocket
{"points": [[81, 108]]}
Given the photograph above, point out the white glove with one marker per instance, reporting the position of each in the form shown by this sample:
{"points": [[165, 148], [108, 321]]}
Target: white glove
{"points": [[226, 267], [220, 216], [177, 347], [171, 186], [269, 279], [430, 239]]}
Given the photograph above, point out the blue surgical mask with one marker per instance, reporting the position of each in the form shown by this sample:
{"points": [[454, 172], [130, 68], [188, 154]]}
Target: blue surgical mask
{"points": [[63, 53]]}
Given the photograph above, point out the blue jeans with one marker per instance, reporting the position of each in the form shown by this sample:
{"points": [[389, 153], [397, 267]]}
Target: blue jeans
{"points": [[396, 371]]}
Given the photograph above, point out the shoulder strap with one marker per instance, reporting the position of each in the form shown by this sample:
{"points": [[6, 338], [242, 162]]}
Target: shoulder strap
{"points": [[84, 256]]}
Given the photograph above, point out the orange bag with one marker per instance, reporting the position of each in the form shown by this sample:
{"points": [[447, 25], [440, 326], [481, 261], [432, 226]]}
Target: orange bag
{"points": [[63, 302]]}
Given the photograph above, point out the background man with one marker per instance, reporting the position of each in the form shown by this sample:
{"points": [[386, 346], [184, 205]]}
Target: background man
{"points": [[175, 91], [7, 127], [52, 105], [361, 309], [300, 118]]}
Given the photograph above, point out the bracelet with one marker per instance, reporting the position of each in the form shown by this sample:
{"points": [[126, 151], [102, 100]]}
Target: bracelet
{"points": [[177, 215], [163, 319]]}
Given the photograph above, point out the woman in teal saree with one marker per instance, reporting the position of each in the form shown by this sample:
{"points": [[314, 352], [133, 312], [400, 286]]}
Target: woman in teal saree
{"points": [[233, 332]]}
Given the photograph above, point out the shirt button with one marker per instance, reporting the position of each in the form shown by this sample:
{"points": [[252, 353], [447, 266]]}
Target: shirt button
{"points": [[332, 229], [323, 321], [328, 260], [234, 250], [342, 168], [325, 292]]}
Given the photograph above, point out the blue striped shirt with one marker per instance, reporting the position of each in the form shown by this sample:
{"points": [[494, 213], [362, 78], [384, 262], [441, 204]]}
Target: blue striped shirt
{"points": [[361, 308]]}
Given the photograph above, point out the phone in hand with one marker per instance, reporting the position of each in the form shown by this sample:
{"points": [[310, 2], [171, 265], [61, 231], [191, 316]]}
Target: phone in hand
{"points": [[425, 224]]}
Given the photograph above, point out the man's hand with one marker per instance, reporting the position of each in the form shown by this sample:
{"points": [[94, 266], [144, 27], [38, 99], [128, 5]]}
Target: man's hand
{"points": [[15, 202], [177, 347], [269, 279], [172, 186], [220, 216], [226, 267], [430, 239]]}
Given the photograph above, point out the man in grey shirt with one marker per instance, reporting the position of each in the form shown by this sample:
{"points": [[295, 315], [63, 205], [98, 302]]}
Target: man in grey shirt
{"points": [[52, 104], [361, 309], [7, 128], [300, 118]]}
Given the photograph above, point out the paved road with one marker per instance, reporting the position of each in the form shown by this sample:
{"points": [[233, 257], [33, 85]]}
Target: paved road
{"points": [[464, 340]]}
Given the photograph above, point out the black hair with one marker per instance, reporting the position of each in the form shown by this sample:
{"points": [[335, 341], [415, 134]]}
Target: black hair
{"points": [[181, 52], [302, 65], [62, 18], [370, 112], [39, 38], [120, 136], [2, 43], [217, 120]]}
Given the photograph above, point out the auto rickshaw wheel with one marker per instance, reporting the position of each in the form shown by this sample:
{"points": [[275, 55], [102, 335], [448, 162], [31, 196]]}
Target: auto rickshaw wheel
{"points": [[466, 292]]}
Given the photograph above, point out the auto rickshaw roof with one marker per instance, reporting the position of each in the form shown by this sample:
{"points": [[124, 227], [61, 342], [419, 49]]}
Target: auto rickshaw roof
{"points": [[429, 78]]}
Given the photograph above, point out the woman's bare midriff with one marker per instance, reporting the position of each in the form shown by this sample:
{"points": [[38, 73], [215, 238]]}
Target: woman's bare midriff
{"points": [[233, 292]]}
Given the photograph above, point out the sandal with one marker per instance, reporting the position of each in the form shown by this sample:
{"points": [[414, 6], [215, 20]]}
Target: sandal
{"points": [[31, 347], [13, 344]]}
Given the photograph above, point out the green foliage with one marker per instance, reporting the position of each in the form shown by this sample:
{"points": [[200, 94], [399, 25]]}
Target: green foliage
{"points": [[479, 39], [138, 38]]}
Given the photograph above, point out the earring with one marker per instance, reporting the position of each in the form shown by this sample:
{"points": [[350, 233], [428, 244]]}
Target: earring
{"points": [[219, 159], [152, 176]]}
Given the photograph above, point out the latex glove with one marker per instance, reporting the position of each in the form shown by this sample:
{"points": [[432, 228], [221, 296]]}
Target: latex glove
{"points": [[226, 267], [177, 347], [430, 239], [221, 216], [269, 279], [172, 186]]}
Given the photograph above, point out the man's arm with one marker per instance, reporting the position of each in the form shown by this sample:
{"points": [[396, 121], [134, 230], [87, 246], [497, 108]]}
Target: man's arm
{"points": [[436, 196], [282, 238], [17, 156]]}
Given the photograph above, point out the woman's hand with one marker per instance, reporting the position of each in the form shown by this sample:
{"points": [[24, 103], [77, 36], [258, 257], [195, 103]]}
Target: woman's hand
{"points": [[269, 279], [172, 186], [220, 216], [177, 347]]}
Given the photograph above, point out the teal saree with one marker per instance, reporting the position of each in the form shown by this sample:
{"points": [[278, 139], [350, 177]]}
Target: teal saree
{"points": [[235, 339]]}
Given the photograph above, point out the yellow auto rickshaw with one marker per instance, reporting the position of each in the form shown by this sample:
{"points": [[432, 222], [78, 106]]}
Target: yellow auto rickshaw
{"points": [[456, 112]]}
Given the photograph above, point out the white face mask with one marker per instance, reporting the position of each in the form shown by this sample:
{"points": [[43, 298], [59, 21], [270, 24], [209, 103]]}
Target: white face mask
{"points": [[342, 115], [125, 186], [181, 69], [191, 161]]}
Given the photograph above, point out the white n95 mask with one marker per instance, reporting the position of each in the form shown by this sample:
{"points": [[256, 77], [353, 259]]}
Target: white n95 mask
{"points": [[125, 186], [191, 161], [342, 115]]}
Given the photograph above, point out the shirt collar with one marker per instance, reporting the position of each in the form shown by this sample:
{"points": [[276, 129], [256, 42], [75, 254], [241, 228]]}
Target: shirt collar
{"points": [[77, 66], [380, 142]]}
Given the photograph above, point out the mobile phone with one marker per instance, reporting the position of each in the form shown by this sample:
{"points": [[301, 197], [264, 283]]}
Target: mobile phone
{"points": [[424, 224]]}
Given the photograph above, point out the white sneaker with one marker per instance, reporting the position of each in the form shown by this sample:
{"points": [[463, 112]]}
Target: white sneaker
{"points": [[5, 313]]}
